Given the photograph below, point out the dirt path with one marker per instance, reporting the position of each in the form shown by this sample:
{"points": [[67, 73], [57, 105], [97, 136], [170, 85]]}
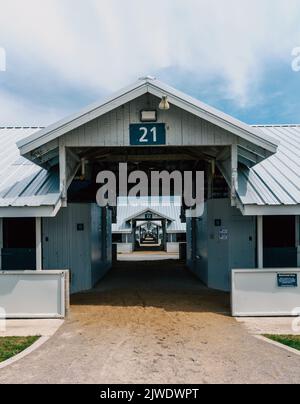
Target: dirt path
{"points": [[153, 323]]}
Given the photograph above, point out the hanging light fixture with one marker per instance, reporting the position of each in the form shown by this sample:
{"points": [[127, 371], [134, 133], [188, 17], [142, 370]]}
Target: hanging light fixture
{"points": [[164, 104]]}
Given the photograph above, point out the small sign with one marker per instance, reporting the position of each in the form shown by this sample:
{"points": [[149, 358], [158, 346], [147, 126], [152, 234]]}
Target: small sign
{"points": [[223, 234], [147, 134], [149, 216], [218, 222], [80, 227], [287, 280]]}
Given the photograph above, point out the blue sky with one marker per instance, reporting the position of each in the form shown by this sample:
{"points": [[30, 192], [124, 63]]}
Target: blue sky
{"points": [[64, 54]]}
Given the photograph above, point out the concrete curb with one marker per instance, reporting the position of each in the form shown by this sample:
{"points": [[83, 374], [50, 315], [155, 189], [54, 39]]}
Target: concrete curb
{"points": [[41, 341], [278, 345]]}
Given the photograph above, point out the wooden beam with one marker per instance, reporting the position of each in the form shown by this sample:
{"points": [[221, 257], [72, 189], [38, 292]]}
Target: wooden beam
{"points": [[38, 235], [260, 242], [1, 241], [63, 171], [234, 173]]}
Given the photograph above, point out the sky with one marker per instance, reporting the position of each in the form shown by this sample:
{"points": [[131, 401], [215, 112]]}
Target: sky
{"points": [[57, 56]]}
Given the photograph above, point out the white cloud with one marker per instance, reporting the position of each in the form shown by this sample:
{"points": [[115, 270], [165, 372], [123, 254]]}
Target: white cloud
{"points": [[16, 110], [105, 44]]}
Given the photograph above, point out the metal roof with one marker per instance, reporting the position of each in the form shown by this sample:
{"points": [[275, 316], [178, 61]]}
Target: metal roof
{"points": [[276, 180], [22, 183], [125, 213], [156, 88]]}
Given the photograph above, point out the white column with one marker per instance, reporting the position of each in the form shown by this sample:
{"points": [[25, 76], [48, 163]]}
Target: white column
{"points": [[234, 173], [63, 171], [1, 241], [297, 231], [260, 242], [38, 235]]}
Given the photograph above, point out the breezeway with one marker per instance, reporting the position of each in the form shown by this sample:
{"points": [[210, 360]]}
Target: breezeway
{"points": [[50, 221]]}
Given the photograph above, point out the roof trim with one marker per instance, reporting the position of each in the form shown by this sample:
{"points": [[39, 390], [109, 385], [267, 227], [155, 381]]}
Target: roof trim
{"points": [[158, 89], [270, 210], [149, 210], [29, 211]]}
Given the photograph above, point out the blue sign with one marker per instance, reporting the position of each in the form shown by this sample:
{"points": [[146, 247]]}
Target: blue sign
{"points": [[148, 134], [287, 280]]}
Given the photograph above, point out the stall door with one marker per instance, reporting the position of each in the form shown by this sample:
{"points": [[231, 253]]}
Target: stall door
{"points": [[19, 244]]}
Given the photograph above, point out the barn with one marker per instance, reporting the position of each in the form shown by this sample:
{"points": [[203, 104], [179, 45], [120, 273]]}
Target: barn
{"points": [[149, 226], [56, 239]]}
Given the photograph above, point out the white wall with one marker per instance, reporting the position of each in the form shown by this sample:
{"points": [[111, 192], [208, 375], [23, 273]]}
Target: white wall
{"points": [[33, 294], [256, 293], [84, 253], [173, 248], [214, 258], [125, 248], [112, 128]]}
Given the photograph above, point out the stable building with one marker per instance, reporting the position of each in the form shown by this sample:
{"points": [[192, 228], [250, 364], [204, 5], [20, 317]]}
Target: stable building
{"points": [[247, 241], [149, 226]]}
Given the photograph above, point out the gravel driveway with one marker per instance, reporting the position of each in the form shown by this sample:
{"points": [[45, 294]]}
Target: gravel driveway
{"points": [[153, 323]]}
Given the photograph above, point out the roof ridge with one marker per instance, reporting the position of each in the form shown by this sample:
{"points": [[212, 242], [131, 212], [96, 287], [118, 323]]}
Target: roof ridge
{"points": [[22, 127], [296, 125]]}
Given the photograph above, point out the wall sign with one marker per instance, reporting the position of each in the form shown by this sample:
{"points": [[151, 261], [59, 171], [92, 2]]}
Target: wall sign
{"points": [[80, 227], [147, 134], [287, 280], [149, 216], [223, 234]]}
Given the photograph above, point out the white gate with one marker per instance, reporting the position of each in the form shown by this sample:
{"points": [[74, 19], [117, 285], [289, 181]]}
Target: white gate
{"points": [[34, 294], [265, 292]]}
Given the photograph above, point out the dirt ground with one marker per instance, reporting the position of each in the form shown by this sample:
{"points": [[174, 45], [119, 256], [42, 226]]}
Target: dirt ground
{"points": [[153, 322]]}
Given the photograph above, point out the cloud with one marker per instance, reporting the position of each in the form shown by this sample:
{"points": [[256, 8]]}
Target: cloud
{"points": [[101, 45], [17, 111]]}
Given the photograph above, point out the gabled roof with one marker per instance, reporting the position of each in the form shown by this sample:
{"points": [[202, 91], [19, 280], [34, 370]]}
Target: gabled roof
{"points": [[127, 211], [22, 183], [148, 210], [156, 88], [275, 182]]}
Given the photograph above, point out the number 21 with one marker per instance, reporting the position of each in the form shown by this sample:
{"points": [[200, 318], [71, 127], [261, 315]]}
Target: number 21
{"points": [[144, 139]]}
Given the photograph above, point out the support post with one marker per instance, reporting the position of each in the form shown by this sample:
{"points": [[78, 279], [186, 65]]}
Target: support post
{"points": [[1, 241], [260, 242], [297, 231], [38, 235], [63, 171], [234, 173]]}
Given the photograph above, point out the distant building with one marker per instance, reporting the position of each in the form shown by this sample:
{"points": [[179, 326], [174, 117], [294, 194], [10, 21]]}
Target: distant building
{"points": [[149, 227]]}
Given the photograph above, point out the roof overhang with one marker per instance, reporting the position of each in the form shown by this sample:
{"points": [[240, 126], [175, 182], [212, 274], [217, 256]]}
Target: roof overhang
{"points": [[270, 210], [29, 211], [158, 89]]}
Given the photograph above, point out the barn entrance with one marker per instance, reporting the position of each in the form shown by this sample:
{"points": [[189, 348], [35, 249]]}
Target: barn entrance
{"points": [[150, 128]]}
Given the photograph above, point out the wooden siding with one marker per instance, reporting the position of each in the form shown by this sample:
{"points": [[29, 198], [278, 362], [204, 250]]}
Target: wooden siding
{"points": [[112, 129]]}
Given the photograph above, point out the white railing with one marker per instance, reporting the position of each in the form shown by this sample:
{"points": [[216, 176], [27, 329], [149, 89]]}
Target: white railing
{"points": [[265, 292]]}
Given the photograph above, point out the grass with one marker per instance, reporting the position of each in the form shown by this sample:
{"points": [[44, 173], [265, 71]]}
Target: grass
{"points": [[292, 341], [11, 346]]}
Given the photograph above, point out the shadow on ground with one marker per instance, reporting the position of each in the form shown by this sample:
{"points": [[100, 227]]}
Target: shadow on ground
{"points": [[168, 285]]}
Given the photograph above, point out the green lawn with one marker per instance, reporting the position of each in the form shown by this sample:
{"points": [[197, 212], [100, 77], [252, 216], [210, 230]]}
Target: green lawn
{"points": [[293, 341], [11, 346]]}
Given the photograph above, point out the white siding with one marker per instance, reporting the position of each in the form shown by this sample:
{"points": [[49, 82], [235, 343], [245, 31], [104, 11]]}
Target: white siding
{"points": [[87, 254], [68, 248], [112, 129]]}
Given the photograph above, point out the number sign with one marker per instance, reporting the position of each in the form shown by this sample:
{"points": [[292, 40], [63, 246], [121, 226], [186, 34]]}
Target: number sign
{"points": [[147, 134]]}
